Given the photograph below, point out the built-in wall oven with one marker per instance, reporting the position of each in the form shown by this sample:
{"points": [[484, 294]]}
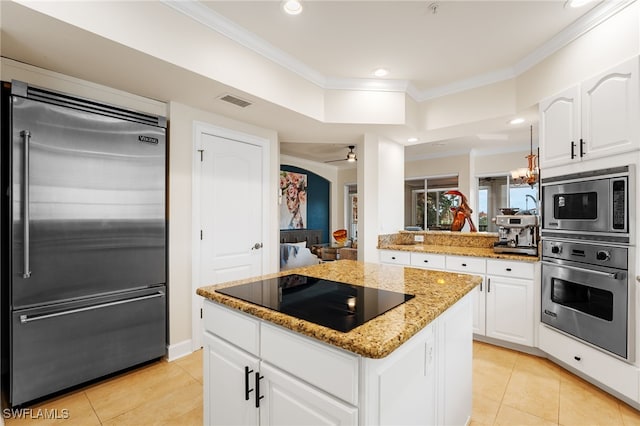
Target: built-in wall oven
{"points": [[586, 291]]}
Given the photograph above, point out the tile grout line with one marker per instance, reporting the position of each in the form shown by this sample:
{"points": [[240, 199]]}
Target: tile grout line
{"points": [[84, 392]]}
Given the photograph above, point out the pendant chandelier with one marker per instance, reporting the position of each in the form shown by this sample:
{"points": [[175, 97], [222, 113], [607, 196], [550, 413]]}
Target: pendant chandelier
{"points": [[530, 174]]}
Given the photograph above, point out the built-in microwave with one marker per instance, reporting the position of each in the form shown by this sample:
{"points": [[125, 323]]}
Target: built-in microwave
{"points": [[589, 205]]}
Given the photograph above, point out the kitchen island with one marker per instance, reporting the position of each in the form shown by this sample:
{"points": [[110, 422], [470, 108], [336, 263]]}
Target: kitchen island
{"points": [[409, 365]]}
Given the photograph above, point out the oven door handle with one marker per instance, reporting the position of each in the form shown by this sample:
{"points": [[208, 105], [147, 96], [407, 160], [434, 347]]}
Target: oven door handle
{"points": [[613, 275]]}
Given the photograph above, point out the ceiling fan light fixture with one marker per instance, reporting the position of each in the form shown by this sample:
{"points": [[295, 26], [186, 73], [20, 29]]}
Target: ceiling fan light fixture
{"points": [[351, 155], [292, 7]]}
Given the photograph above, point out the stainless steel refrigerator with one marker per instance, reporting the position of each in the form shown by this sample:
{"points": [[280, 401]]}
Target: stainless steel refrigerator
{"points": [[84, 240]]}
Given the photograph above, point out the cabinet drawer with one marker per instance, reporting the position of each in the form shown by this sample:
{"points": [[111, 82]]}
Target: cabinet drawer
{"points": [[232, 326], [507, 268], [612, 372], [301, 357], [395, 256], [426, 260], [473, 265]]}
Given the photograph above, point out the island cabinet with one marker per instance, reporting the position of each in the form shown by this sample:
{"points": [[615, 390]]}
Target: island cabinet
{"points": [[258, 373], [503, 304], [594, 119]]}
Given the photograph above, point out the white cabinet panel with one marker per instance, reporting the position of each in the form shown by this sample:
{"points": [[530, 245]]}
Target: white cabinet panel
{"points": [[230, 404], [396, 257], [616, 374], [289, 401], [469, 265], [507, 268], [428, 260], [232, 326], [610, 111], [298, 354], [509, 310], [560, 128], [479, 308], [595, 119]]}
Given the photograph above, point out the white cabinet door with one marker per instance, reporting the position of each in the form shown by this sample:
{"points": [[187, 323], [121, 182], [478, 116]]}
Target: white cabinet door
{"points": [[229, 392], [560, 128], [288, 401], [610, 111], [509, 309], [479, 309]]}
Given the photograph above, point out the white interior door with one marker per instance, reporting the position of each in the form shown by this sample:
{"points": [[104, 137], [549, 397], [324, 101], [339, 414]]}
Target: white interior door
{"points": [[230, 206], [230, 211]]}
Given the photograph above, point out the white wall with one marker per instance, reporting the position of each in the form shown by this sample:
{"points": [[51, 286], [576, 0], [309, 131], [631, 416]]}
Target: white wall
{"points": [[380, 193], [180, 212]]}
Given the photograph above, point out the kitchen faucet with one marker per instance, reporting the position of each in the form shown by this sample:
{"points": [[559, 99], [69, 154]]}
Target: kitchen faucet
{"points": [[535, 202]]}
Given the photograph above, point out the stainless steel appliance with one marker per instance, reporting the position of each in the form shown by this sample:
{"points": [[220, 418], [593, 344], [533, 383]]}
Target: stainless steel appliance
{"points": [[590, 205], [84, 240], [517, 234], [585, 293]]}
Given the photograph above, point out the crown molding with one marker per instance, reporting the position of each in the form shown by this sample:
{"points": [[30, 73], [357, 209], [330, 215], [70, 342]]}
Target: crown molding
{"points": [[581, 26], [468, 84], [213, 20]]}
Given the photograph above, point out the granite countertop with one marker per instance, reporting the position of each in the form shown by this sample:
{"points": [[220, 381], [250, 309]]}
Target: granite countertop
{"points": [[434, 291], [459, 251], [478, 244]]}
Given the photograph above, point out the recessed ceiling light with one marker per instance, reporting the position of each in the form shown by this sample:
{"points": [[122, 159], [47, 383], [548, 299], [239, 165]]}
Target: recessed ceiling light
{"points": [[381, 72], [292, 7], [518, 120], [411, 140], [578, 3]]}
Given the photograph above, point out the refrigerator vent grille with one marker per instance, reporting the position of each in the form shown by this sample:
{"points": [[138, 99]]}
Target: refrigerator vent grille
{"points": [[235, 100], [88, 105]]}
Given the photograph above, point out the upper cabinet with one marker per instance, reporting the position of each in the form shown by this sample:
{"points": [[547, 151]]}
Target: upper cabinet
{"points": [[595, 119]]}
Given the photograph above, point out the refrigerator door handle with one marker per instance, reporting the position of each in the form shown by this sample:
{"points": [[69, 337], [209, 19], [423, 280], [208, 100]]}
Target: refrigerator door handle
{"points": [[24, 319], [26, 136]]}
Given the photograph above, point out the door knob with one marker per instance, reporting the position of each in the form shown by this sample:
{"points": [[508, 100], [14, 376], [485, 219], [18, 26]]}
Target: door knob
{"points": [[256, 246]]}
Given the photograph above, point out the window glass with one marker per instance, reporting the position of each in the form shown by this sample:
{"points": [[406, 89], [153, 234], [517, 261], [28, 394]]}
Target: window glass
{"points": [[496, 192], [430, 208]]}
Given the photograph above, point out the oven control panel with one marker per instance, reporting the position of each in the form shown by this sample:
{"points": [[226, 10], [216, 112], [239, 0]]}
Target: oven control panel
{"points": [[593, 254]]}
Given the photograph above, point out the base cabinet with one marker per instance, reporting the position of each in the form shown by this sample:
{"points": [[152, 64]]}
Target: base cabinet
{"points": [[290, 379], [503, 304]]}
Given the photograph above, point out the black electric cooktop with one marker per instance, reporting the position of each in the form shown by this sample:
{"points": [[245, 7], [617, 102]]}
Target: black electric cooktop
{"points": [[332, 304]]}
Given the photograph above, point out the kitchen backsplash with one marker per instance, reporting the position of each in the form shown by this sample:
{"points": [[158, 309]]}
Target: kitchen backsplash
{"points": [[441, 238]]}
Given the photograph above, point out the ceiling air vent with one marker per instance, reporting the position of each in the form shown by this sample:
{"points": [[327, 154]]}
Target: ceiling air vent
{"points": [[235, 100]]}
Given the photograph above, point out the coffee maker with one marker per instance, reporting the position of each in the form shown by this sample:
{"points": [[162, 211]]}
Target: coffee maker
{"points": [[517, 234]]}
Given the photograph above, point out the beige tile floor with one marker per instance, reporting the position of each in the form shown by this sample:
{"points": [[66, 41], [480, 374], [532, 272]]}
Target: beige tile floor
{"points": [[162, 393], [512, 388], [509, 388]]}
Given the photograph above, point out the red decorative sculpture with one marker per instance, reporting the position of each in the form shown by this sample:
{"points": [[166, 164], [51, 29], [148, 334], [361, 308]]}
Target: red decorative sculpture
{"points": [[461, 213]]}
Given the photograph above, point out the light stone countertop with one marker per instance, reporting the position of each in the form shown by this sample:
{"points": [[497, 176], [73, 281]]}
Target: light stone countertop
{"points": [[434, 291]]}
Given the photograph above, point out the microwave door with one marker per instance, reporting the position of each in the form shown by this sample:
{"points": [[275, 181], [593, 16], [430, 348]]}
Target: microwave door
{"points": [[578, 206]]}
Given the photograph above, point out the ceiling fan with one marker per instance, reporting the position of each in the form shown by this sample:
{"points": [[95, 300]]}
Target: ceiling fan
{"points": [[351, 156]]}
